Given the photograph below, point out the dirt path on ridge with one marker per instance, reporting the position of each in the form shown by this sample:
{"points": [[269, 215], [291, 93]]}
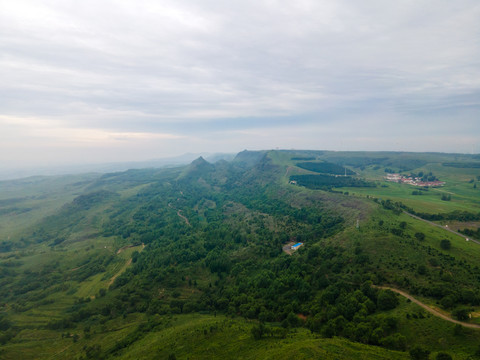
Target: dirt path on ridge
{"points": [[429, 309]]}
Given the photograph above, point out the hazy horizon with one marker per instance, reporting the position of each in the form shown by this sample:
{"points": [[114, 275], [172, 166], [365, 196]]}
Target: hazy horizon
{"points": [[20, 172], [94, 83]]}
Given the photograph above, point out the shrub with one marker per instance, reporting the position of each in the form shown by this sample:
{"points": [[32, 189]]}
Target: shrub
{"points": [[445, 244], [387, 300], [419, 353], [443, 356], [461, 313], [420, 236], [395, 342]]}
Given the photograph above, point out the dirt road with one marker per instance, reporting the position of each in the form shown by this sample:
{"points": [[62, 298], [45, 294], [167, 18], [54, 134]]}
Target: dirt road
{"points": [[442, 227], [429, 309]]}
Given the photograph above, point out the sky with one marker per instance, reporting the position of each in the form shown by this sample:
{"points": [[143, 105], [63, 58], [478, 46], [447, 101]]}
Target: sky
{"points": [[101, 81]]}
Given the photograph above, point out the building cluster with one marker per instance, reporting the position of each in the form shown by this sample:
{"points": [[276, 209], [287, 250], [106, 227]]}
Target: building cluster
{"points": [[416, 181]]}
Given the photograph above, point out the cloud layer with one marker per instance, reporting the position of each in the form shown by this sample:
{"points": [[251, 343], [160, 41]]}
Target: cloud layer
{"points": [[122, 80]]}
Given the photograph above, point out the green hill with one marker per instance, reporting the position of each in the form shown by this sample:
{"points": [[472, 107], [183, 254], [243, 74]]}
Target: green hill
{"points": [[190, 263]]}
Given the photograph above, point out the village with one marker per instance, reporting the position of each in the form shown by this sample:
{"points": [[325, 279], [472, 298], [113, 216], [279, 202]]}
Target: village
{"points": [[415, 181]]}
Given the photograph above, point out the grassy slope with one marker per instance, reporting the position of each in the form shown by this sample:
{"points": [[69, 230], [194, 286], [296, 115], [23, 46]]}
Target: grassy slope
{"points": [[207, 337], [25, 202], [192, 337], [67, 258], [433, 333]]}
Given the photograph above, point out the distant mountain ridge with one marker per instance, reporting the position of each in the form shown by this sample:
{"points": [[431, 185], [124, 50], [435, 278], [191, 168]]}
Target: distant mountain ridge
{"points": [[10, 174]]}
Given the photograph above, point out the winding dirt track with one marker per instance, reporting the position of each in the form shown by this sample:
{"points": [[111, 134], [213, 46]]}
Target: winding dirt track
{"points": [[429, 309], [179, 213]]}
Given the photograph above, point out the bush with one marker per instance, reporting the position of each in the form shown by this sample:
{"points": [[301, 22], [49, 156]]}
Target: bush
{"points": [[443, 356], [5, 324], [422, 269], [258, 331], [461, 313], [395, 342], [420, 236], [387, 300], [419, 353], [448, 301], [445, 244]]}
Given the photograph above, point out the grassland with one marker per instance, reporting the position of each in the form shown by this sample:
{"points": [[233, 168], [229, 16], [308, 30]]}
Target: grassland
{"points": [[25, 202], [437, 335], [189, 337]]}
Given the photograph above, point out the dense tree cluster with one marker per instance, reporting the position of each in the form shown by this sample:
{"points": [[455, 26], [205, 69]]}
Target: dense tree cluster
{"points": [[326, 182], [325, 167]]}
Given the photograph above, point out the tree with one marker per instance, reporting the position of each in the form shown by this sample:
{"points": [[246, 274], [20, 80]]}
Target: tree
{"points": [[445, 244], [422, 269], [420, 236], [448, 301], [93, 352], [258, 331], [443, 356], [419, 353], [387, 300], [396, 342], [5, 324], [293, 320], [461, 313]]}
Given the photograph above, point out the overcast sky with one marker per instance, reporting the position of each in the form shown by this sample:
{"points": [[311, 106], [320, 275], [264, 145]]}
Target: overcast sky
{"points": [[97, 81]]}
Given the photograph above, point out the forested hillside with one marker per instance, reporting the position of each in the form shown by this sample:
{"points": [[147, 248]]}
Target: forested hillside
{"points": [[195, 262]]}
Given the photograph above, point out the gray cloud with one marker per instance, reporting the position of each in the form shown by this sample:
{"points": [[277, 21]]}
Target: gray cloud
{"points": [[192, 72]]}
